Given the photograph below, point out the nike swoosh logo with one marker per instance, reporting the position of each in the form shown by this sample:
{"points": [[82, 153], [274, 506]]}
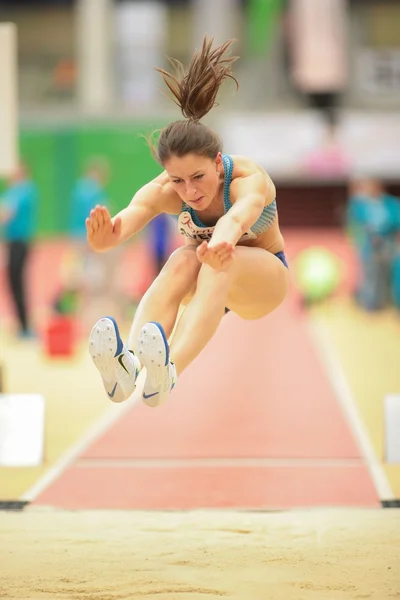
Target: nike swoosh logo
{"points": [[147, 396], [121, 363], [111, 394]]}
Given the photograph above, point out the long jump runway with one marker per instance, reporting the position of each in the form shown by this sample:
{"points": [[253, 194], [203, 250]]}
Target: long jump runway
{"points": [[254, 423]]}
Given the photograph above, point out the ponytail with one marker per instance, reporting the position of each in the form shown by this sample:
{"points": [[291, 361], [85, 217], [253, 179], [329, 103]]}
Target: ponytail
{"points": [[195, 92]]}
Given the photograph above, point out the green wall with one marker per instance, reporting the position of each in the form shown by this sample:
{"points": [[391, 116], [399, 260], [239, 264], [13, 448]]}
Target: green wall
{"points": [[57, 155]]}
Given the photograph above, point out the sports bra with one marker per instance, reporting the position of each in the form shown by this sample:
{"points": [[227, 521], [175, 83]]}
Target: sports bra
{"points": [[191, 226]]}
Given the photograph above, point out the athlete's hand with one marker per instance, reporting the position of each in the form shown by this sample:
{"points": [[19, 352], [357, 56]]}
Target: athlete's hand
{"points": [[103, 232], [218, 255]]}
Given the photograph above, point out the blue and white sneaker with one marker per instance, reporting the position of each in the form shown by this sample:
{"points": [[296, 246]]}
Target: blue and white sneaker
{"points": [[160, 371], [118, 366]]}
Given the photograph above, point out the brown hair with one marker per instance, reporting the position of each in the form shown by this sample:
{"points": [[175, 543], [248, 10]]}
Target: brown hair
{"points": [[195, 92]]}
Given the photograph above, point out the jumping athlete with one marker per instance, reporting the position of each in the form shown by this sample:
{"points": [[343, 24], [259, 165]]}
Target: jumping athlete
{"points": [[233, 253]]}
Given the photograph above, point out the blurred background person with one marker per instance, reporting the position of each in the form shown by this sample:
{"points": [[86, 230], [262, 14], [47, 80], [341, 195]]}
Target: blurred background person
{"points": [[373, 220], [91, 277], [317, 46], [330, 158], [317, 49], [89, 190], [18, 212], [396, 271], [161, 238]]}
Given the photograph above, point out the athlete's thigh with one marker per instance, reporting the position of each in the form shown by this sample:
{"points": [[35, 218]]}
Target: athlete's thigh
{"points": [[190, 252], [259, 283]]}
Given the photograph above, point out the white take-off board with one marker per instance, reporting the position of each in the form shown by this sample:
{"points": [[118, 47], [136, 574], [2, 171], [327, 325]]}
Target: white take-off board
{"points": [[22, 422], [392, 428], [8, 99]]}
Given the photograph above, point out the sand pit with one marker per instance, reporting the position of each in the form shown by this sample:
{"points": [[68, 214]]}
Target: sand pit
{"points": [[104, 555]]}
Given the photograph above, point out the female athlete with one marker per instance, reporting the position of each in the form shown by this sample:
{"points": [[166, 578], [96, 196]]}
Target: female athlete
{"points": [[232, 258]]}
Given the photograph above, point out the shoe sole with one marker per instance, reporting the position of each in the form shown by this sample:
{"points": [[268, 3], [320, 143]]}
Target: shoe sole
{"points": [[105, 344], [153, 354]]}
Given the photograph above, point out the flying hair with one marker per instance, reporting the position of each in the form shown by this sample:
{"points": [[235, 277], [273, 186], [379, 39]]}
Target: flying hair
{"points": [[196, 90]]}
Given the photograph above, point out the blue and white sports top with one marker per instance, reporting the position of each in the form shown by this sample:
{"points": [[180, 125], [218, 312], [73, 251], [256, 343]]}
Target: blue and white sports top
{"points": [[190, 225]]}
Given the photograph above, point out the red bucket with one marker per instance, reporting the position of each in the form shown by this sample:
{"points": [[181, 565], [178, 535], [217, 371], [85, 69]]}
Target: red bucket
{"points": [[60, 336]]}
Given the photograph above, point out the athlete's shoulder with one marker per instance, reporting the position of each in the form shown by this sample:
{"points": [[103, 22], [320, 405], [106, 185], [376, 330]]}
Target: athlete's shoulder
{"points": [[244, 166], [248, 177], [165, 194]]}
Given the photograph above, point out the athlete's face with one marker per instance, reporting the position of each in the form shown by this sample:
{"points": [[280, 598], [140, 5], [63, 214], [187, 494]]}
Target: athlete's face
{"points": [[195, 178]]}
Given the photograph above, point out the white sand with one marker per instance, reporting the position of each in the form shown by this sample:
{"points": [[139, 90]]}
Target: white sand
{"points": [[104, 555]]}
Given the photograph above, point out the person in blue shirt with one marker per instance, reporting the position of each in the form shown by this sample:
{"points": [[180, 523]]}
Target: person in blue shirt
{"points": [[373, 220], [17, 226], [89, 278], [88, 191]]}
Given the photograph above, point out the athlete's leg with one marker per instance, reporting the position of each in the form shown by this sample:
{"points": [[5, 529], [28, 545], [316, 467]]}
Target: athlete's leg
{"points": [[260, 284], [118, 367], [202, 316], [162, 300], [254, 285]]}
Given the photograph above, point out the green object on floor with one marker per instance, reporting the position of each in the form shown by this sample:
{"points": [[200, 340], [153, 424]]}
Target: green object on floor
{"points": [[318, 273]]}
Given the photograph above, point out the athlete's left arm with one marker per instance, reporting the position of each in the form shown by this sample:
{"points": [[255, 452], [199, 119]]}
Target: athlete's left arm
{"points": [[250, 196]]}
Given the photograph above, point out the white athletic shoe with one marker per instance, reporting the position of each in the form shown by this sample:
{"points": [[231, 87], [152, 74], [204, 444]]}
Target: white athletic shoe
{"points": [[160, 371], [118, 366]]}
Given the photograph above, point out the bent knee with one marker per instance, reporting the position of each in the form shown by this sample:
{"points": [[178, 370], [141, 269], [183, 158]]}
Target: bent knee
{"points": [[183, 262], [253, 302]]}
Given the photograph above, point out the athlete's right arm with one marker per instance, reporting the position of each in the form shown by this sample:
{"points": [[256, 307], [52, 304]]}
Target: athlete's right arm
{"points": [[105, 232]]}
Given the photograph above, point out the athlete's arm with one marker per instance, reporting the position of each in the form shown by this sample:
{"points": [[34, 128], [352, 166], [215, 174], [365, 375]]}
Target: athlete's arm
{"points": [[250, 195], [105, 232]]}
